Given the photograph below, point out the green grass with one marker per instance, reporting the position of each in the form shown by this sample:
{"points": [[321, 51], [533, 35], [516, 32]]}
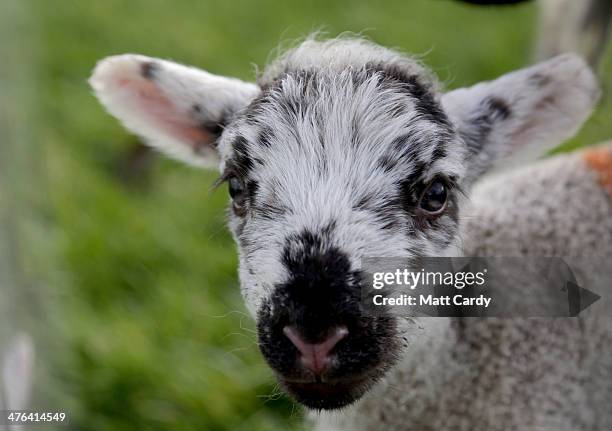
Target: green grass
{"points": [[139, 320]]}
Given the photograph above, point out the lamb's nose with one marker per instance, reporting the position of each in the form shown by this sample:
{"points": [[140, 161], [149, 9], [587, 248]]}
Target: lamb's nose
{"points": [[316, 356]]}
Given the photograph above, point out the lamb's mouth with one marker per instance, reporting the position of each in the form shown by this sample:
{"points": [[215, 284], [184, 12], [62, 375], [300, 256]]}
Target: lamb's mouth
{"points": [[327, 395]]}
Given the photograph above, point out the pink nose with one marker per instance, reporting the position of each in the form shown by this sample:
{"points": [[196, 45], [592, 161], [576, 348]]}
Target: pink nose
{"points": [[315, 356]]}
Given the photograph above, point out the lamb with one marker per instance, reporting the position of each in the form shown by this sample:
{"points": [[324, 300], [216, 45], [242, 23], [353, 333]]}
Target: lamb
{"points": [[344, 149]]}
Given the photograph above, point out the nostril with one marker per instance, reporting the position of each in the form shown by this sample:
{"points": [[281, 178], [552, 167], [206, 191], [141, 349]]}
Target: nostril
{"points": [[315, 356]]}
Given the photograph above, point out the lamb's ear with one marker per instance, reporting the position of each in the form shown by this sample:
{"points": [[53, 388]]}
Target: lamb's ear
{"points": [[179, 110], [524, 113]]}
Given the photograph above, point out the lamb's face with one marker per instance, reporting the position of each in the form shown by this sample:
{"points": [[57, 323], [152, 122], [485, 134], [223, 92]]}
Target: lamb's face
{"points": [[323, 171], [341, 151]]}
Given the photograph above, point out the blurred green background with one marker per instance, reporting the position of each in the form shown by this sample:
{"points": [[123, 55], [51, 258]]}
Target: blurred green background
{"points": [[119, 259]]}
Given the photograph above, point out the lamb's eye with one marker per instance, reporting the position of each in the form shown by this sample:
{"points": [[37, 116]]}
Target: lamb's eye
{"points": [[237, 192], [236, 188], [433, 199]]}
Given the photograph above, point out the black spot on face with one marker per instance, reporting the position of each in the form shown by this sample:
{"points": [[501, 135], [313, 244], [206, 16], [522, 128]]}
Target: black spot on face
{"points": [[402, 149], [265, 137], [270, 210], [387, 212], [322, 292], [402, 144], [439, 152], [242, 161], [252, 188], [148, 69], [411, 187], [387, 163], [426, 105]]}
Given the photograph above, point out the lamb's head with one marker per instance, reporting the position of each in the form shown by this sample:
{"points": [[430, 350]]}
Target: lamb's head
{"points": [[342, 150]]}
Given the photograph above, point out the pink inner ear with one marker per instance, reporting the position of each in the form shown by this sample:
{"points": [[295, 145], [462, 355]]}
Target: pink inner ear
{"points": [[163, 113]]}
